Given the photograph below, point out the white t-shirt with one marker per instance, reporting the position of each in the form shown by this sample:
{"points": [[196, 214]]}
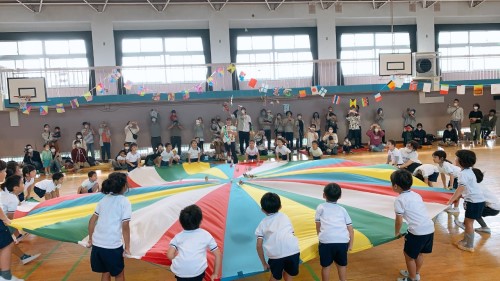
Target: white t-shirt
{"points": [[426, 169], [246, 123], [133, 157], [413, 156], [316, 152], [121, 158], [112, 211], [194, 153], [252, 152], [410, 205], [9, 201], [395, 156], [277, 232], [29, 183], [334, 220], [165, 156], [191, 246], [283, 150], [490, 198], [311, 136], [449, 169], [47, 185], [472, 190], [88, 184]]}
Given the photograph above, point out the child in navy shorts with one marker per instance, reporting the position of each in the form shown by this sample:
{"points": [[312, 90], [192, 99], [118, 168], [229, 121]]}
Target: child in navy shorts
{"points": [[275, 237], [107, 226], [420, 237], [335, 232]]}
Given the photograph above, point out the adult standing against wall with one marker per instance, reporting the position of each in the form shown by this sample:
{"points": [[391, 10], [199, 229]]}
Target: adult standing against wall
{"points": [[331, 120], [47, 134], [475, 118], [289, 127], [155, 129], [379, 120], [131, 130], [244, 126], [88, 137], [265, 125], [409, 118], [105, 141], [457, 116], [175, 132]]}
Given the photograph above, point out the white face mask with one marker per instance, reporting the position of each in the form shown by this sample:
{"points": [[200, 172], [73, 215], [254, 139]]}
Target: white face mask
{"points": [[153, 119], [46, 129], [79, 137], [78, 144], [53, 150], [455, 104], [331, 131], [198, 122], [30, 150], [243, 111], [409, 149], [299, 117], [126, 148], [376, 130], [86, 126], [449, 129], [476, 108]]}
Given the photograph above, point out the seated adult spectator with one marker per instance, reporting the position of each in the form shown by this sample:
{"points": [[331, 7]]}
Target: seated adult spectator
{"points": [[450, 137], [419, 135], [32, 157], [376, 134]]}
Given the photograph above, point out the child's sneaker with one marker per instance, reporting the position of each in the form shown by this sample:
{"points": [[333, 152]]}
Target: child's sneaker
{"points": [[405, 279], [483, 229], [13, 278], [459, 224], [25, 259], [462, 246], [451, 210], [406, 274]]}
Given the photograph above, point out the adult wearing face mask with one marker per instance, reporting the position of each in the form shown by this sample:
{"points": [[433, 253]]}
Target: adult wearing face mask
{"points": [[331, 120], [155, 129], [131, 130], [289, 127], [409, 118], [475, 118], [244, 126], [488, 124], [56, 163], [265, 125], [376, 134], [450, 137], [88, 137], [32, 157], [457, 116], [105, 141], [47, 134]]}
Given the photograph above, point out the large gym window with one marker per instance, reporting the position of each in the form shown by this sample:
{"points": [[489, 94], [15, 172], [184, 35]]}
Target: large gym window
{"points": [[163, 59], [48, 58], [469, 50], [359, 52], [275, 57]]}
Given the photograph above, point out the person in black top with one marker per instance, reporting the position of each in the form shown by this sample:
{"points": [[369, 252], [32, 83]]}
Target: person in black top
{"points": [[450, 136], [299, 123], [419, 135], [475, 118], [32, 157]]}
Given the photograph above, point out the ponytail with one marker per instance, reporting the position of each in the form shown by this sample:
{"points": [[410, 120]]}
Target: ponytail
{"points": [[479, 175], [441, 154]]}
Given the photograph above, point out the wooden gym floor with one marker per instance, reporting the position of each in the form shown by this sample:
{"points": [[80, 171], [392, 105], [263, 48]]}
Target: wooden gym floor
{"points": [[63, 261]]}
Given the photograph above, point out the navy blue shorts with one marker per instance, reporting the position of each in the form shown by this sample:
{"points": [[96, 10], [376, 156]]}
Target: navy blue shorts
{"points": [[284, 157], [197, 278], [252, 157], [316, 157], [21, 197], [130, 168], [455, 183], [333, 252], [5, 236], [473, 210], [38, 191], [433, 177], [193, 160], [107, 260], [418, 244], [288, 264]]}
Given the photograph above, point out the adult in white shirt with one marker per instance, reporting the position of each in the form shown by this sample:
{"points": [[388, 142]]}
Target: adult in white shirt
{"points": [[131, 130]]}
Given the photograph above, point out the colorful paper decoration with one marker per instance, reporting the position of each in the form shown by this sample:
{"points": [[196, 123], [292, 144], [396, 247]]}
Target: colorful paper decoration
{"points": [[210, 81], [391, 85], [220, 71], [378, 97], [276, 91], [399, 82], [186, 95], [231, 68], [252, 83], [336, 99], [302, 93], [88, 96], [352, 102], [322, 92], [287, 92], [26, 110], [114, 76], [60, 108], [198, 88], [100, 88], [413, 86], [264, 88], [141, 91], [365, 102], [461, 90], [157, 97], [427, 87], [74, 103], [495, 89], [478, 90], [128, 85], [314, 90], [44, 110], [444, 89], [171, 97], [242, 76]]}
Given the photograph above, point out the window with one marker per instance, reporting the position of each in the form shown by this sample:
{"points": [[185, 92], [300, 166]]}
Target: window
{"points": [[43, 55], [164, 60], [361, 50], [462, 46], [275, 56]]}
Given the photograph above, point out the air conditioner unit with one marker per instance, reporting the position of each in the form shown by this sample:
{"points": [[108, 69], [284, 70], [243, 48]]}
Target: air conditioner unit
{"points": [[424, 65]]}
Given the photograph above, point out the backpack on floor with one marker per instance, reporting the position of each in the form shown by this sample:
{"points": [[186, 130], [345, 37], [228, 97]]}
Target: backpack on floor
{"points": [[91, 161]]}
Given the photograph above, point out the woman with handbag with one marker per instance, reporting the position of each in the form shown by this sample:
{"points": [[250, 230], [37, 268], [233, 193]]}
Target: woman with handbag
{"points": [[131, 131]]}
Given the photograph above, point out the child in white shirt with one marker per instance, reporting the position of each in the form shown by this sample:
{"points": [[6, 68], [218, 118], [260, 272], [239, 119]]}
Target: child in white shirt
{"points": [[167, 156], [427, 173], [311, 135], [29, 174], [393, 154], [335, 232], [282, 152], [121, 160], [275, 237], [252, 152], [194, 152], [315, 151], [90, 185], [188, 249], [49, 188], [133, 158]]}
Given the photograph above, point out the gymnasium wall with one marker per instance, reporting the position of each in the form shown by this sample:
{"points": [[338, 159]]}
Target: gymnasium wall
{"points": [[432, 116]]}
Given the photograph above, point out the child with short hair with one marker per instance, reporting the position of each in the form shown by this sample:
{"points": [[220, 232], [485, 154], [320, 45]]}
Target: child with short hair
{"points": [[46, 158], [393, 154], [409, 156], [427, 173], [346, 146], [315, 151], [194, 153], [133, 158], [419, 135], [335, 233], [29, 174], [252, 152], [450, 137], [282, 152], [420, 237], [312, 135], [167, 156], [445, 168], [188, 249], [49, 189], [121, 161], [275, 236], [79, 156], [109, 224], [229, 133], [90, 185], [469, 188]]}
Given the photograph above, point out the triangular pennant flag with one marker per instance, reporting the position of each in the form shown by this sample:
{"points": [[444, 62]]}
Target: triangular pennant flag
{"points": [[352, 102], [60, 108], [399, 82], [302, 93], [252, 83], [391, 85], [478, 90], [242, 76], [264, 88], [128, 85], [26, 110], [461, 90], [157, 97], [276, 91], [231, 68], [74, 103], [365, 102], [44, 110], [444, 89], [171, 97], [88, 96], [220, 71], [322, 92], [495, 89], [314, 90], [336, 99], [413, 86], [186, 95], [378, 97], [210, 81], [427, 87]]}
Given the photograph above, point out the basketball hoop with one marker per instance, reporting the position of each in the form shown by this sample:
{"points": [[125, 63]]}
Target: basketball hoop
{"points": [[23, 101]]}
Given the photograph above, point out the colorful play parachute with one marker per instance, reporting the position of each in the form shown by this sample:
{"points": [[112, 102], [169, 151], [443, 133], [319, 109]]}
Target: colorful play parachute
{"points": [[229, 197]]}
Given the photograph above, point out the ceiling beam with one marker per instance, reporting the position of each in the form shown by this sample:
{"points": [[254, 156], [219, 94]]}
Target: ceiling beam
{"points": [[217, 6], [378, 4], [476, 3], [274, 6], [427, 4], [34, 8], [327, 5]]}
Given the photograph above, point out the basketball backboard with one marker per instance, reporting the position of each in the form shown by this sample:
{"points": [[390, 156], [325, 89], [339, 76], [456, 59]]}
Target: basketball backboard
{"points": [[32, 87]]}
